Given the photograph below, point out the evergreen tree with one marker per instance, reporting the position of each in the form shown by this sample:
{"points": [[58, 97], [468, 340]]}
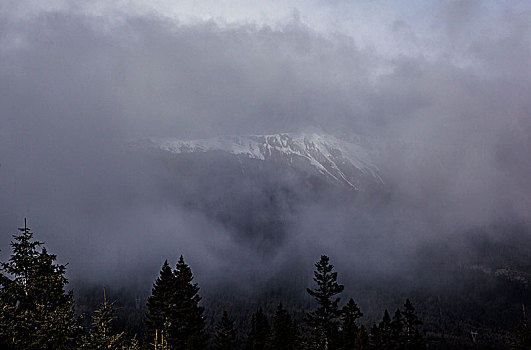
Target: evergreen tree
{"points": [[385, 332], [412, 338], [103, 333], [397, 329], [174, 313], [187, 328], [159, 304], [323, 321], [349, 326], [36, 311], [225, 337], [522, 336], [285, 334], [259, 332]]}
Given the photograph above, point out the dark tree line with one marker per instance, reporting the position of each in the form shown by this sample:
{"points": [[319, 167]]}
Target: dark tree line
{"points": [[37, 312], [174, 319]]}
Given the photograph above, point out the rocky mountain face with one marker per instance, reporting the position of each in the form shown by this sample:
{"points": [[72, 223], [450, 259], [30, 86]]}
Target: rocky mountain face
{"points": [[257, 186], [348, 162]]}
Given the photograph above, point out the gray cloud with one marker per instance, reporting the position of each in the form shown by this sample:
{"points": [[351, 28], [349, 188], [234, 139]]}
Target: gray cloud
{"points": [[454, 127]]}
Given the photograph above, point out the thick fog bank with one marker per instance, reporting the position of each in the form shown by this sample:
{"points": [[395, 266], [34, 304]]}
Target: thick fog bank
{"points": [[76, 88]]}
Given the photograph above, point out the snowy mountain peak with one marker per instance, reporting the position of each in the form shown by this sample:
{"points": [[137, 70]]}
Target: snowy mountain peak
{"points": [[311, 150]]}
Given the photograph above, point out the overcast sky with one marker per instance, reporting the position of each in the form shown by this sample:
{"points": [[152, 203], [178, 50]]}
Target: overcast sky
{"points": [[444, 85]]}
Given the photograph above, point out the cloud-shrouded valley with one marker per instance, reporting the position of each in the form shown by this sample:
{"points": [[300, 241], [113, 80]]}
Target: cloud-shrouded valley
{"points": [[256, 137]]}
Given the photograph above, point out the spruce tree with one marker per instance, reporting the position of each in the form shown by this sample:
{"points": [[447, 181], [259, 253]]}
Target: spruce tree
{"points": [[36, 311], [412, 338], [349, 326], [385, 332], [259, 333], [187, 328], [285, 334], [323, 321], [225, 337], [160, 302], [173, 312], [397, 329]]}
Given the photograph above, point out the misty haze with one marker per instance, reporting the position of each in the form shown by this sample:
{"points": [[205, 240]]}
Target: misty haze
{"points": [[257, 140]]}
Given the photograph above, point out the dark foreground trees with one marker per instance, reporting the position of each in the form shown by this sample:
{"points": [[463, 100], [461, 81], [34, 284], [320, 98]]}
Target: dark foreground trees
{"points": [[103, 333], [332, 328], [35, 310], [285, 334], [174, 314], [159, 306], [400, 332], [259, 333], [352, 335]]}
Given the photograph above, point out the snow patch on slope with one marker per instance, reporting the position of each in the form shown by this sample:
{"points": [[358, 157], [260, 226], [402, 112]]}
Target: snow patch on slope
{"points": [[336, 159]]}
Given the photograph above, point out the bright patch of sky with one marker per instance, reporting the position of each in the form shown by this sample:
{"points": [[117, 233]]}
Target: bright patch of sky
{"points": [[394, 28]]}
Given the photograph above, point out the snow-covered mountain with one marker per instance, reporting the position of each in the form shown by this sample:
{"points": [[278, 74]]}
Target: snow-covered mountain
{"points": [[348, 161]]}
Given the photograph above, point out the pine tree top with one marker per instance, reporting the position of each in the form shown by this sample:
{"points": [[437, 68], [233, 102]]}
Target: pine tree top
{"points": [[327, 285], [25, 251], [37, 288], [351, 311]]}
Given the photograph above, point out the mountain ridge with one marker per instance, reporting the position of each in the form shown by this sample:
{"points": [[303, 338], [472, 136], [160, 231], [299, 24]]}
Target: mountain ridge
{"points": [[348, 162]]}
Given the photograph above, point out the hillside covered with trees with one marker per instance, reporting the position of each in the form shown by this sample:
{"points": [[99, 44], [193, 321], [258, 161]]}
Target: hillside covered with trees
{"points": [[37, 311]]}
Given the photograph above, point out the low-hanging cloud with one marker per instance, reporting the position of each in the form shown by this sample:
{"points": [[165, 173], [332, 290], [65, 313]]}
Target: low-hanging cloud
{"points": [[453, 124]]}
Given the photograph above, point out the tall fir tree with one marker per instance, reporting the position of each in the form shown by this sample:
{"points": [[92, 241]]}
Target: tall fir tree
{"points": [[285, 334], [323, 321], [225, 337], [412, 338], [350, 314], [36, 311], [385, 332], [174, 312], [159, 304], [259, 333], [397, 329], [187, 330]]}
